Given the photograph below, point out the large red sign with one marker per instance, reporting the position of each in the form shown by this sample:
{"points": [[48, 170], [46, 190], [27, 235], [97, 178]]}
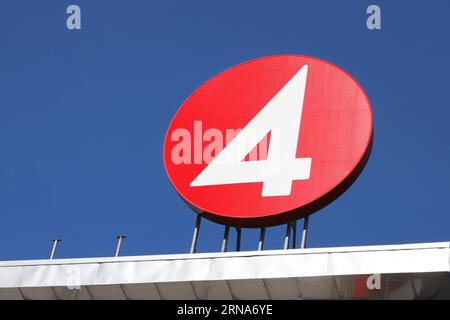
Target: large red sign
{"points": [[269, 141]]}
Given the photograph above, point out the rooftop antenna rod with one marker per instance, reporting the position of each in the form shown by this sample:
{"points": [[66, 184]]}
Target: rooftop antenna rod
{"points": [[55, 244], [119, 244]]}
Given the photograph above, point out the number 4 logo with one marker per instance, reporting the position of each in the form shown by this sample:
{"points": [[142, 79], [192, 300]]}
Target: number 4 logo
{"points": [[281, 116]]}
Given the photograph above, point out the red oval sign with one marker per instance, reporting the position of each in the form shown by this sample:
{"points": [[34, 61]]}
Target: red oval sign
{"points": [[269, 141]]}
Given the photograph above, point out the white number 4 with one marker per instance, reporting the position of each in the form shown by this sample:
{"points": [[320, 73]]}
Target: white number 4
{"points": [[281, 116]]}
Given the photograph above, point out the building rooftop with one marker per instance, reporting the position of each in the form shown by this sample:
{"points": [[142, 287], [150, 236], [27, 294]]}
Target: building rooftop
{"points": [[404, 271]]}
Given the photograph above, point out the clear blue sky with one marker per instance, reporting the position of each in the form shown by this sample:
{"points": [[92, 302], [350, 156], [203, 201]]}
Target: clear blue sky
{"points": [[83, 116]]}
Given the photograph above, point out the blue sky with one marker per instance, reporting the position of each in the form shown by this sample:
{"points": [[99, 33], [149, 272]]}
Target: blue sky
{"points": [[83, 116]]}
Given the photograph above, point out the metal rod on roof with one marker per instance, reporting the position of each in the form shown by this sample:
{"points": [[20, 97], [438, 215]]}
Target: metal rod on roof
{"points": [[262, 235], [304, 232], [238, 239], [287, 236], [225, 239], [55, 245], [119, 244], [195, 235], [294, 233]]}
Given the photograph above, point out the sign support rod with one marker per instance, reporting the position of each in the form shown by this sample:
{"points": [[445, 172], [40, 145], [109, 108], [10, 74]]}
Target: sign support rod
{"points": [[262, 235], [304, 232], [225, 239], [195, 235], [294, 233], [287, 236], [238, 239]]}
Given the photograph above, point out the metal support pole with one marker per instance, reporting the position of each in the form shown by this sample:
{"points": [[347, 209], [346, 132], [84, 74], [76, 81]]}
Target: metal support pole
{"points": [[55, 244], [225, 239], [294, 233], [287, 236], [262, 235], [195, 236], [238, 239], [304, 232], [119, 244]]}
